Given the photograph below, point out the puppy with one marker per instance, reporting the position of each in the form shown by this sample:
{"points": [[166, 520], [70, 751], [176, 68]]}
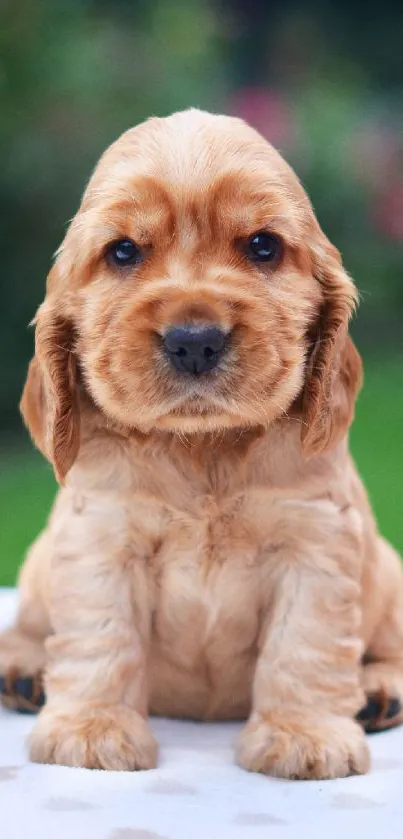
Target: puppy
{"points": [[211, 553]]}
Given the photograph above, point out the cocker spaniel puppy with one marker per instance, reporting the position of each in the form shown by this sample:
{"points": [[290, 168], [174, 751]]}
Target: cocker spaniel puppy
{"points": [[211, 553]]}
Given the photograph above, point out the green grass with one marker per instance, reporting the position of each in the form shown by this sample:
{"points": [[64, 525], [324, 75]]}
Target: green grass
{"points": [[27, 488], [377, 445], [27, 485]]}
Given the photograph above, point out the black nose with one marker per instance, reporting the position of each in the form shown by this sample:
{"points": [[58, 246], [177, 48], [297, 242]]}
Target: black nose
{"points": [[194, 349]]}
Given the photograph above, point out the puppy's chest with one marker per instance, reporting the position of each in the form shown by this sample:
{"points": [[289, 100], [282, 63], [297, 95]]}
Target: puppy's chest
{"points": [[205, 576]]}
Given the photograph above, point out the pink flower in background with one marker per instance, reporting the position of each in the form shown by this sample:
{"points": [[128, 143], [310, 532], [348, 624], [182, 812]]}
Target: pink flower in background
{"points": [[378, 163], [375, 152], [267, 111], [388, 209]]}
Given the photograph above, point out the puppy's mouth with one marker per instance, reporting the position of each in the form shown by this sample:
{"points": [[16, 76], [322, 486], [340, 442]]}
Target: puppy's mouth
{"points": [[191, 400], [199, 397]]}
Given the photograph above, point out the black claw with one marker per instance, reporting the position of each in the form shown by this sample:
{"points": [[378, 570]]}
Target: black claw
{"points": [[378, 713], [372, 710], [22, 694]]}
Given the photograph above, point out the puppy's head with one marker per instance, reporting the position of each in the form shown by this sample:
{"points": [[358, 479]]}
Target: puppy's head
{"points": [[194, 292]]}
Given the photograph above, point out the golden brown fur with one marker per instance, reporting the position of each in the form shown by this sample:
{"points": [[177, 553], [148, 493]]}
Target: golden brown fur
{"points": [[211, 552]]}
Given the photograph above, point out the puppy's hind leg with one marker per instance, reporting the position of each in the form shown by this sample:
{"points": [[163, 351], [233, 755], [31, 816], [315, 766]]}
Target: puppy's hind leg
{"points": [[383, 669], [22, 648]]}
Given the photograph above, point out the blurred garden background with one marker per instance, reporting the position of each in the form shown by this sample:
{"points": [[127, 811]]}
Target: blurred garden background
{"points": [[322, 80]]}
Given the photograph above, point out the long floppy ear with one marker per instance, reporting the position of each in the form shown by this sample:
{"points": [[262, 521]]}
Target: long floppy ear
{"points": [[32, 405], [334, 370], [49, 403]]}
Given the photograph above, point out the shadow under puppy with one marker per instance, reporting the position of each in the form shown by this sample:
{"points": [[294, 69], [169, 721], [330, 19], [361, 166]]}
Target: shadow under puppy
{"points": [[211, 552]]}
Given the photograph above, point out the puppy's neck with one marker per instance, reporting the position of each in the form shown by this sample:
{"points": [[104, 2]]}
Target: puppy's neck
{"points": [[274, 451], [235, 441]]}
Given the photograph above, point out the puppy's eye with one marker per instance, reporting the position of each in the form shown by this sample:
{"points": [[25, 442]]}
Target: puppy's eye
{"points": [[124, 252], [263, 247]]}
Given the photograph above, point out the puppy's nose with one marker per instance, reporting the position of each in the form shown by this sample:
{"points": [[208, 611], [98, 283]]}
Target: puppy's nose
{"points": [[194, 349]]}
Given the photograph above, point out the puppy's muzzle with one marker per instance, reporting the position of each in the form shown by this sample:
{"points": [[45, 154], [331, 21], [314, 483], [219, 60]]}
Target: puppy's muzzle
{"points": [[194, 349]]}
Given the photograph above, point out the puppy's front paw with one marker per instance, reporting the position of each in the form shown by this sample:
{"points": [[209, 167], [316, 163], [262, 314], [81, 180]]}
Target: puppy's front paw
{"points": [[94, 737], [333, 747]]}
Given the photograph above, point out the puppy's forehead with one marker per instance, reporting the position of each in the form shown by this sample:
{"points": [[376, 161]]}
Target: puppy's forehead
{"points": [[189, 152]]}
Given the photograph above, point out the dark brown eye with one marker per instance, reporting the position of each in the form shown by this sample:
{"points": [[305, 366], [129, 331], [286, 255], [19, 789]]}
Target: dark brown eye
{"points": [[124, 252], [263, 247]]}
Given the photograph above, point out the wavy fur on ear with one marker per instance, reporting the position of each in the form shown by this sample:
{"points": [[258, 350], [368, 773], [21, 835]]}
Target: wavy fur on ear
{"points": [[334, 372], [32, 404], [49, 400]]}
